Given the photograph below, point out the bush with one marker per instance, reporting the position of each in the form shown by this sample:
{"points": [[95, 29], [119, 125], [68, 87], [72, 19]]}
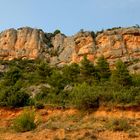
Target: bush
{"points": [[118, 95], [88, 71], [117, 124], [57, 80], [43, 94], [84, 97], [13, 97], [57, 98], [43, 70], [124, 89], [129, 96], [103, 68], [56, 32], [136, 80], [121, 74], [12, 76], [86, 67], [39, 105], [71, 72], [18, 99], [93, 34], [25, 122]]}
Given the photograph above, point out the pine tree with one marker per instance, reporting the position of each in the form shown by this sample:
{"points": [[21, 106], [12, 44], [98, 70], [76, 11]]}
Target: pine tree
{"points": [[44, 70], [121, 75], [87, 69], [103, 68], [56, 80], [12, 76], [71, 72]]}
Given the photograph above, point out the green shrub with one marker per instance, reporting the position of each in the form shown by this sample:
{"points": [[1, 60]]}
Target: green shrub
{"points": [[57, 98], [103, 68], [39, 105], [123, 89], [117, 124], [25, 122], [12, 76], [88, 71], [13, 97], [86, 67], [18, 99], [71, 72], [93, 34], [129, 96], [56, 32], [43, 70], [57, 80], [136, 79], [43, 94], [121, 75], [1, 75], [118, 95], [84, 97]]}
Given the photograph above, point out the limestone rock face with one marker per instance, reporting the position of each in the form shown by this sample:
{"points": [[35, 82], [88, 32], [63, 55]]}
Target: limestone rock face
{"points": [[22, 43], [29, 43], [120, 43], [84, 45]]}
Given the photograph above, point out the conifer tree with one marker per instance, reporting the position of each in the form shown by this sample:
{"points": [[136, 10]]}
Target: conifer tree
{"points": [[87, 69], [121, 75], [71, 72], [44, 70], [103, 68]]}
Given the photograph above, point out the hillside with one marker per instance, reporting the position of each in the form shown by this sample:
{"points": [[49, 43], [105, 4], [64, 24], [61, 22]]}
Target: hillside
{"points": [[59, 49], [80, 87]]}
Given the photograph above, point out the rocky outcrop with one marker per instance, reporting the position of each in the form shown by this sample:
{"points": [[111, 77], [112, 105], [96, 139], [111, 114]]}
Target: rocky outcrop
{"points": [[120, 43], [22, 43], [28, 43]]}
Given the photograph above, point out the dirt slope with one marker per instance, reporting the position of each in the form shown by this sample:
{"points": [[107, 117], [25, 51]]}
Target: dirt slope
{"points": [[71, 124]]}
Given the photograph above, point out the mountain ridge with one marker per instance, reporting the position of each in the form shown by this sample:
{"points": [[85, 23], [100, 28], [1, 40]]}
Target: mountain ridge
{"points": [[59, 49]]}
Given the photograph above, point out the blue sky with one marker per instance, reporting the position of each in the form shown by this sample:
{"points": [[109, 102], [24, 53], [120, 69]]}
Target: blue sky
{"points": [[69, 15]]}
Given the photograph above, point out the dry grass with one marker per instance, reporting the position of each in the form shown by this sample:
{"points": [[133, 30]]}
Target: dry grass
{"points": [[70, 124]]}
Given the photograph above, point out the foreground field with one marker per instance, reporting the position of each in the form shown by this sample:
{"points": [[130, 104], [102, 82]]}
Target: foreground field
{"points": [[72, 124]]}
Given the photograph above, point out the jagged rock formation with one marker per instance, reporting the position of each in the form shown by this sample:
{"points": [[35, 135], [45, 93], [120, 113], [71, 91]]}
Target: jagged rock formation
{"points": [[21, 43], [28, 43]]}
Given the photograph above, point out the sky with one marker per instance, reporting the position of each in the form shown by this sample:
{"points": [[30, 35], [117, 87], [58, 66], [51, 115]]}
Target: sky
{"points": [[69, 16]]}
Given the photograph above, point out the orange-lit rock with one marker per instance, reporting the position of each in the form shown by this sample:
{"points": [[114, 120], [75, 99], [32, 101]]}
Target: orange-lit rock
{"points": [[29, 43], [22, 43]]}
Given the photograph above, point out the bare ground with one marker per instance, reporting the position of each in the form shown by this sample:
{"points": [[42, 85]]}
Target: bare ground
{"points": [[71, 124]]}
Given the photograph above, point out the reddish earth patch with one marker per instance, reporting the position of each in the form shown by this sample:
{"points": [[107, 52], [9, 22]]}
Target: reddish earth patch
{"points": [[68, 117]]}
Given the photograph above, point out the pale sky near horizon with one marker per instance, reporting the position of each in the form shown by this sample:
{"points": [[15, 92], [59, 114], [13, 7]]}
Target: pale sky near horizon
{"points": [[69, 15]]}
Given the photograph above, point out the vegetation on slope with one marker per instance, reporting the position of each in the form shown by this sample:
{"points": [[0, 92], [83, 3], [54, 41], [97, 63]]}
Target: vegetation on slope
{"points": [[83, 86]]}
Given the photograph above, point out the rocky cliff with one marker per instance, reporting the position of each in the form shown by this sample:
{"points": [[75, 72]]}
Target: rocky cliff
{"points": [[58, 49]]}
